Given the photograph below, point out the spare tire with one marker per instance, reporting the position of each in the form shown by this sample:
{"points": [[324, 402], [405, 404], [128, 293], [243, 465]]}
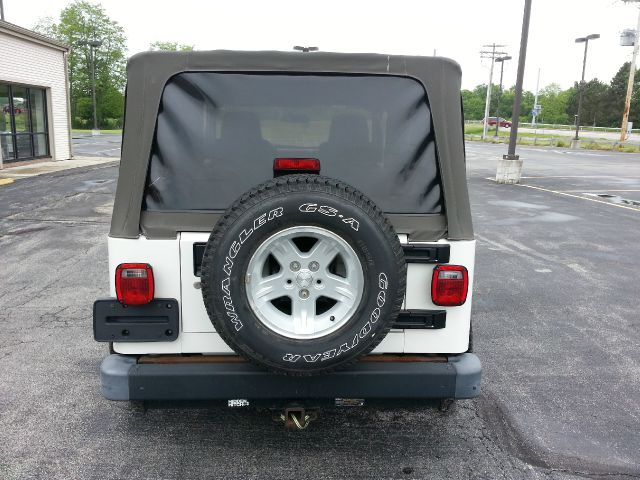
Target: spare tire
{"points": [[303, 274]]}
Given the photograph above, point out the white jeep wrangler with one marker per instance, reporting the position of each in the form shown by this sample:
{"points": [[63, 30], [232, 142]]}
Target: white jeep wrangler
{"points": [[290, 227]]}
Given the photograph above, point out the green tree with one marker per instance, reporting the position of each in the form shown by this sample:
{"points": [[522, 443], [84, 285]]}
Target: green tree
{"points": [[594, 97], [79, 22], [554, 101], [473, 101], [614, 103], [170, 47], [506, 103], [602, 103]]}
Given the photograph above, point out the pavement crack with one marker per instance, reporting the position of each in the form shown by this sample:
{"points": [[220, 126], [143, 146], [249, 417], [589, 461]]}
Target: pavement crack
{"points": [[18, 344], [594, 476], [516, 443], [23, 231]]}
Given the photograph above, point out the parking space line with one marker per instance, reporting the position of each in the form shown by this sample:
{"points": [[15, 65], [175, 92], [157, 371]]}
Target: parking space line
{"points": [[579, 197], [583, 176], [600, 190]]}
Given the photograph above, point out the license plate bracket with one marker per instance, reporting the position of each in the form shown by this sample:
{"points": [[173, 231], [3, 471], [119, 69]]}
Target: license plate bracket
{"points": [[157, 321]]}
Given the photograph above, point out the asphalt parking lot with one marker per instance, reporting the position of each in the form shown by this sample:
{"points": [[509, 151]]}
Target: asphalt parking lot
{"points": [[556, 325], [103, 145]]}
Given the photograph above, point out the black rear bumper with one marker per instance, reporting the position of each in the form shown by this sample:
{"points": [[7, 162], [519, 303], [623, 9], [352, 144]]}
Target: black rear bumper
{"points": [[123, 378]]}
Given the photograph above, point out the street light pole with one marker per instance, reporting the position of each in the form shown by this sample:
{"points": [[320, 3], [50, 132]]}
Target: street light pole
{"points": [[510, 167], [93, 45], [584, 40], [517, 101], [93, 88], [632, 73], [535, 102], [501, 60]]}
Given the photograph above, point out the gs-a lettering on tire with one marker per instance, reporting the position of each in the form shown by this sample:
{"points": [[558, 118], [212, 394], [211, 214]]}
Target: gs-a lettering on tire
{"points": [[303, 274]]}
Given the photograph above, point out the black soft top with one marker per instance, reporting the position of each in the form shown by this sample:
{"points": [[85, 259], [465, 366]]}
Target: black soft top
{"points": [[148, 72]]}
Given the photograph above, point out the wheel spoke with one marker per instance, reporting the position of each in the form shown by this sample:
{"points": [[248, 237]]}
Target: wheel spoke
{"points": [[338, 288], [269, 288], [285, 251], [323, 252], [303, 316]]}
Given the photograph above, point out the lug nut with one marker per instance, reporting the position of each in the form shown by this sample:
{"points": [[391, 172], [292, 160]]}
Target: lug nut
{"points": [[295, 266], [314, 266], [304, 293]]}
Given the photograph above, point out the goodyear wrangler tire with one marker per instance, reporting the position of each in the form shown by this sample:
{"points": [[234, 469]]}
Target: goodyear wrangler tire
{"points": [[303, 274]]}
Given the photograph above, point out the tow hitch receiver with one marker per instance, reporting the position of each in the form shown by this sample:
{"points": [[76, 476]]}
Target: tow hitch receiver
{"points": [[297, 417]]}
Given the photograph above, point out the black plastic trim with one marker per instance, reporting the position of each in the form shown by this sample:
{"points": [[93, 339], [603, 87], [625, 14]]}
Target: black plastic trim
{"points": [[224, 381], [416, 253], [421, 319], [158, 321], [198, 253], [124, 379]]}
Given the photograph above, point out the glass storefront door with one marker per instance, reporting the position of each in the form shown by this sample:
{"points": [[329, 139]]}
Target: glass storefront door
{"points": [[24, 132]]}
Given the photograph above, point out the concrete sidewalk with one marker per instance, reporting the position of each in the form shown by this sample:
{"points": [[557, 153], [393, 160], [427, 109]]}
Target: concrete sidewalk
{"points": [[9, 174]]}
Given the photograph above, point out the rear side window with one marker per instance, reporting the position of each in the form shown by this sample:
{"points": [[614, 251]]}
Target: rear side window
{"points": [[217, 136]]}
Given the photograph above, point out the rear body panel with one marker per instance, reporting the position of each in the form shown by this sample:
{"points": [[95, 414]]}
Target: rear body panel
{"points": [[173, 265]]}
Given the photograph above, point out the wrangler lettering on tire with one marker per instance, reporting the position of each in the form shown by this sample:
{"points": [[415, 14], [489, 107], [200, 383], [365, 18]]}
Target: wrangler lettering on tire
{"points": [[303, 274]]}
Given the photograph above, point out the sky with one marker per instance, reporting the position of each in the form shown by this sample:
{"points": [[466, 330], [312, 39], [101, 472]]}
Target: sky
{"points": [[457, 29]]}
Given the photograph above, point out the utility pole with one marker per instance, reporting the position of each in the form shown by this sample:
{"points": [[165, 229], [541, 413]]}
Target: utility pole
{"points": [[1, 11], [510, 167], [492, 55], [501, 60], [632, 74]]}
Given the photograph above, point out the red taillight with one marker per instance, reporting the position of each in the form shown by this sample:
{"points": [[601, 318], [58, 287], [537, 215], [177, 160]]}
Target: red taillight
{"points": [[449, 285], [310, 165], [134, 283]]}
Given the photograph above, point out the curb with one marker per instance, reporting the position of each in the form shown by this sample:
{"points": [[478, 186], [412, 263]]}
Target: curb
{"points": [[10, 174]]}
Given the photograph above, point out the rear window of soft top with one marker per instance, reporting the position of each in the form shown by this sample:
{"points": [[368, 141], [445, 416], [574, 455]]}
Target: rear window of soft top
{"points": [[217, 136]]}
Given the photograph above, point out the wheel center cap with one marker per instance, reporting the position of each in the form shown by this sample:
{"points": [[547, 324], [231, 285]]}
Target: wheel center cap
{"points": [[304, 279]]}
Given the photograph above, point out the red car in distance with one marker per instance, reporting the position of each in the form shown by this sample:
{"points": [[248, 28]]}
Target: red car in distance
{"points": [[493, 120]]}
